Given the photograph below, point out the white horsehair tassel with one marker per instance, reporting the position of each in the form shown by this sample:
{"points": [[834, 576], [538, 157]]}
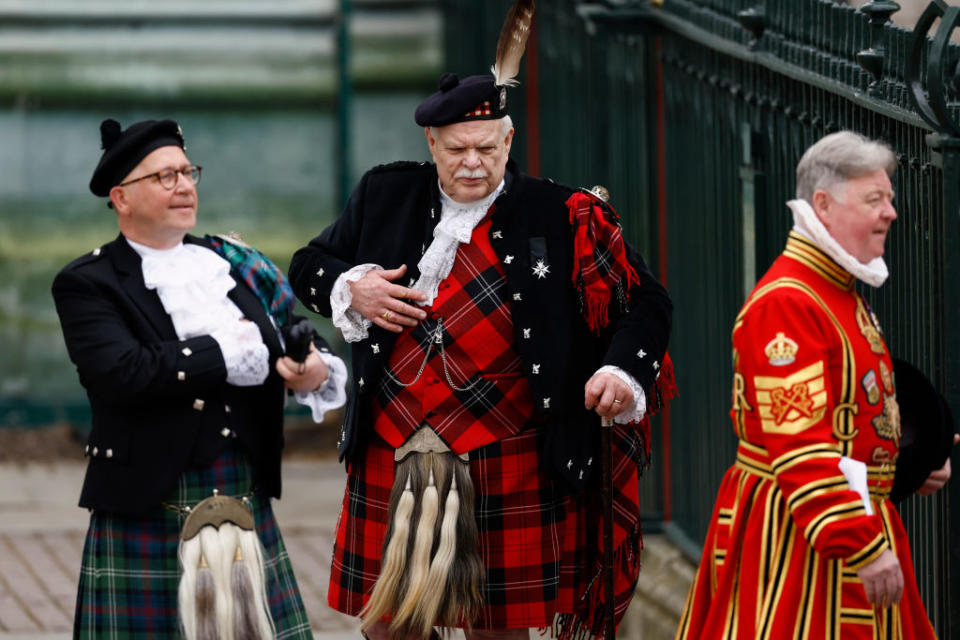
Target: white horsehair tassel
{"points": [[190, 561], [251, 612], [221, 594], [217, 546], [394, 565], [253, 557], [425, 614], [206, 602], [420, 561]]}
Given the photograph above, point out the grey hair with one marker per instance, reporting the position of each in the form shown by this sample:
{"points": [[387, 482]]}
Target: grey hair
{"points": [[506, 123], [838, 157]]}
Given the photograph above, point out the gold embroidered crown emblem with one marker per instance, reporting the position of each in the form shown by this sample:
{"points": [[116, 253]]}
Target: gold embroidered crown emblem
{"points": [[781, 350]]}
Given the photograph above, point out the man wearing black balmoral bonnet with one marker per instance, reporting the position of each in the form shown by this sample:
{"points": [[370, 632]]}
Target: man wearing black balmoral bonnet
{"points": [[179, 342], [491, 316]]}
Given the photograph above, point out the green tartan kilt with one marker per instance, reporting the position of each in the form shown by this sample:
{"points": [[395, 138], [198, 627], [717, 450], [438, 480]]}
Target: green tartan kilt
{"points": [[129, 572]]}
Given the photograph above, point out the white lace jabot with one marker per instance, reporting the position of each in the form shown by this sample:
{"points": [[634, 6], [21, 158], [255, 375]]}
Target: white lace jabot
{"points": [[188, 278], [807, 224], [457, 222], [192, 283]]}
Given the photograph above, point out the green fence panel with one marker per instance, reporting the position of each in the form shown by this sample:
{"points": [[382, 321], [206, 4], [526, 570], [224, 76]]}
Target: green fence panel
{"points": [[736, 90], [704, 123]]}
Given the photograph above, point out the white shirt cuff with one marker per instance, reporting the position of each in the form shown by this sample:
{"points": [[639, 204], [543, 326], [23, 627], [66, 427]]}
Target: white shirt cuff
{"points": [[245, 356], [331, 394], [352, 325], [637, 407]]}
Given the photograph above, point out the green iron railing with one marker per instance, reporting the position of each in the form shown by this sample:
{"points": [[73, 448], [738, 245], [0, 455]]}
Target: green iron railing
{"points": [[694, 115]]}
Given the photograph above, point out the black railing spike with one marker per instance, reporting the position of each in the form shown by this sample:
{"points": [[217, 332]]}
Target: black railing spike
{"points": [[931, 71], [954, 74], [753, 20], [878, 13]]}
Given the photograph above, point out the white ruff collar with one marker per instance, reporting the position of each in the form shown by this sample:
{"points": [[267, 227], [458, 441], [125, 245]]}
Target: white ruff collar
{"points": [[192, 283], [807, 224]]}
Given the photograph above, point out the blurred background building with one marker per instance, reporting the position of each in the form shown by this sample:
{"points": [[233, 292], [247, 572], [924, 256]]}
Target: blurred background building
{"points": [[256, 87], [692, 112]]}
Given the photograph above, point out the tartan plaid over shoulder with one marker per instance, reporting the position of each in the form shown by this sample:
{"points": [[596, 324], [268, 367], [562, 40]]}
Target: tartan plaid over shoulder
{"points": [[260, 274]]}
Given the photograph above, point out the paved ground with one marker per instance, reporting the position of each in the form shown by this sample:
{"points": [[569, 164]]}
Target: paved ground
{"points": [[42, 529]]}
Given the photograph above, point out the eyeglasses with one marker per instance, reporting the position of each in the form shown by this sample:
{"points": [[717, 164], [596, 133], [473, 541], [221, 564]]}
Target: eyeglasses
{"points": [[168, 178]]}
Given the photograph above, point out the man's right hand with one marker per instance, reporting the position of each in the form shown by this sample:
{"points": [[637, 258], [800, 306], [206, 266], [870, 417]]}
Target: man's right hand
{"points": [[380, 301], [883, 580]]}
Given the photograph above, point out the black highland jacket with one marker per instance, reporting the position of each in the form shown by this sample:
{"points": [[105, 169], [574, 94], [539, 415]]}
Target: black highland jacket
{"points": [[389, 221], [159, 404]]}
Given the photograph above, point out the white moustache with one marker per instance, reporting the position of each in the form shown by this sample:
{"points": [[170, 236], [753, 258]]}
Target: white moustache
{"points": [[471, 173]]}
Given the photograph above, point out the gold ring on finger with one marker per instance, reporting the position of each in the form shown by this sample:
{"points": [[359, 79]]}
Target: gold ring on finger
{"points": [[386, 315], [617, 401]]}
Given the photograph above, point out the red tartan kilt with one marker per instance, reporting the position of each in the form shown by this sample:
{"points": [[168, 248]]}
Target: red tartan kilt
{"points": [[520, 518], [541, 549]]}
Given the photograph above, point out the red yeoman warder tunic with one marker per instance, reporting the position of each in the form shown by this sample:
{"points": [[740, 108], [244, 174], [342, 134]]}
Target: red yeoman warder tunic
{"points": [[812, 382], [534, 539]]}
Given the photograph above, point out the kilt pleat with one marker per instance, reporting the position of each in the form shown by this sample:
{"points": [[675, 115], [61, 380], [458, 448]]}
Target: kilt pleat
{"points": [[129, 571], [540, 547]]}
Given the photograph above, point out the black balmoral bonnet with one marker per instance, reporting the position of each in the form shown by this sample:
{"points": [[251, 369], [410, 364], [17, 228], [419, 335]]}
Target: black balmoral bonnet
{"points": [[124, 149]]}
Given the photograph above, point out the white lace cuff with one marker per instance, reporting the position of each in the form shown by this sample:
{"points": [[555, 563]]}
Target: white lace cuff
{"points": [[331, 394], [637, 407], [244, 354], [352, 325]]}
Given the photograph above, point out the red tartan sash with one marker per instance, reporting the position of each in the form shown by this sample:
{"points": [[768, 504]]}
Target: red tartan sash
{"points": [[600, 264], [494, 400]]}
